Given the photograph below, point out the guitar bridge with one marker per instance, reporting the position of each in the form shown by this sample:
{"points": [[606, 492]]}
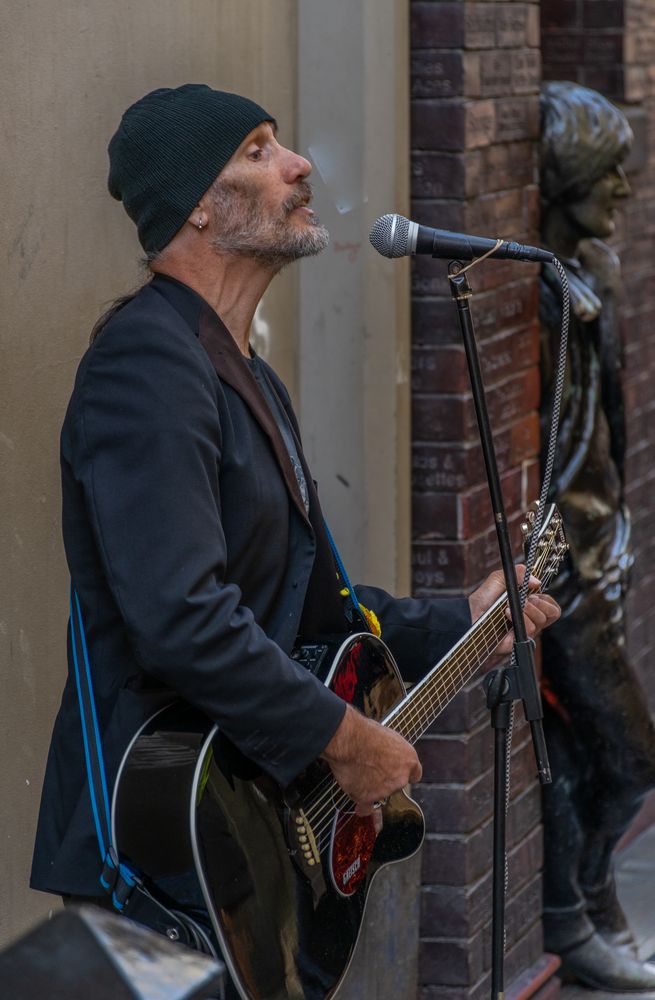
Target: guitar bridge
{"points": [[304, 849], [304, 839]]}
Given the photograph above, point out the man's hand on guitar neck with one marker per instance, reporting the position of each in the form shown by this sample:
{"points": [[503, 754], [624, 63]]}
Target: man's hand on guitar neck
{"points": [[369, 761], [540, 610]]}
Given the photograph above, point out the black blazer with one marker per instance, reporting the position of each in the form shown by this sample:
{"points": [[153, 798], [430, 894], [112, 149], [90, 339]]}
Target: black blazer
{"points": [[195, 563]]}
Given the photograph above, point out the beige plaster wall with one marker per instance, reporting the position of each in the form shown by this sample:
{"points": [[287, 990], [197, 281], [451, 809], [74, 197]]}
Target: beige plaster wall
{"points": [[67, 71]]}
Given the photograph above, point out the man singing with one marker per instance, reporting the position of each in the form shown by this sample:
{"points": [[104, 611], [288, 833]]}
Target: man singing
{"points": [[192, 527]]}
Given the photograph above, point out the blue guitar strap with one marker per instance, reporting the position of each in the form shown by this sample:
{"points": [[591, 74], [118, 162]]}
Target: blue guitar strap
{"points": [[359, 613], [128, 893], [116, 878]]}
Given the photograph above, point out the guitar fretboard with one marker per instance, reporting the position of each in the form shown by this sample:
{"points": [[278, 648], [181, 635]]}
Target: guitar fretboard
{"points": [[416, 713]]}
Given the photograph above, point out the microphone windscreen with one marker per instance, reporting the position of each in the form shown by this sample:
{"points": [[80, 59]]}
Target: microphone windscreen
{"points": [[390, 235]]}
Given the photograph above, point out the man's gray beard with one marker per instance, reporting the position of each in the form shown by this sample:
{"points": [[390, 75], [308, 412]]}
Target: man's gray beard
{"points": [[242, 229]]}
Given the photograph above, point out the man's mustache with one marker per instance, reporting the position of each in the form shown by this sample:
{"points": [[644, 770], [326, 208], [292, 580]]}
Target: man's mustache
{"points": [[301, 196]]}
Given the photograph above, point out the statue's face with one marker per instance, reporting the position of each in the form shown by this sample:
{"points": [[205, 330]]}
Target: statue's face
{"points": [[593, 215]]}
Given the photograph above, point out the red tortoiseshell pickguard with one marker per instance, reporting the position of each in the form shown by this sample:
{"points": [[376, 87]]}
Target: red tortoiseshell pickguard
{"points": [[353, 840]]}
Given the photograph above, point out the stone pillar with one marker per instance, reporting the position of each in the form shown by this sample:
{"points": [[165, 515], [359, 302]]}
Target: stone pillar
{"points": [[474, 84], [353, 359]]}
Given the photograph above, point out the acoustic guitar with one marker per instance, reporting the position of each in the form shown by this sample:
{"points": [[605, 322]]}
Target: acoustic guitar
{"points": [[285, 872]]}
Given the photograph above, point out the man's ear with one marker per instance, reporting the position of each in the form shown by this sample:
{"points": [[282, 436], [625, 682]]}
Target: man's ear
{"points": [[199, 217]]}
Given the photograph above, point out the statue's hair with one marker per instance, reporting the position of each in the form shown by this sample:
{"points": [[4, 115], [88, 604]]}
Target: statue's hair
{"points": [[583, 136]]}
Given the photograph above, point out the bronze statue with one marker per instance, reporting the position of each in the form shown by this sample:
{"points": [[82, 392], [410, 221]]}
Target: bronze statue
{"points": [[599, 732]]}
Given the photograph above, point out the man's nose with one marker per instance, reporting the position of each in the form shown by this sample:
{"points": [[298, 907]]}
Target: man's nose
{"points": [[296, 166]]}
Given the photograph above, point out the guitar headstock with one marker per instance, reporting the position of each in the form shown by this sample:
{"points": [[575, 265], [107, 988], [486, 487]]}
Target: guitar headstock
{"points": [[551, 541]]}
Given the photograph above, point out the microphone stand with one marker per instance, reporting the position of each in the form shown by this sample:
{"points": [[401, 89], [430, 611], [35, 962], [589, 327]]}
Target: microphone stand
{"points": [[506, 684]]}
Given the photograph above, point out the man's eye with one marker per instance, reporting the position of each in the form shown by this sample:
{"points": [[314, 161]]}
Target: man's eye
{"points": [[255, 154]]}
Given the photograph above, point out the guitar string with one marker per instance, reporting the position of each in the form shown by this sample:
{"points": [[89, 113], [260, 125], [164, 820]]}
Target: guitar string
{"points": [[324, 823], [410, 722], [324, 819], [337, 804], [434, 687], [408, 718], [430, 686], [448, 670], [320, 812], [422, 717], [449, 690], [442, 683], [442, 677]]}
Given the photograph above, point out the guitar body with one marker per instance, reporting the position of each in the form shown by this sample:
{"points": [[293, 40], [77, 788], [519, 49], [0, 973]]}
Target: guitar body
{"points": [[284, 873]]}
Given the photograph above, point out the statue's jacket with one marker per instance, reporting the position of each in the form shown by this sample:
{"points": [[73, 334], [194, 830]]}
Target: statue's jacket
{"points": [[588, 469], [195, 562]]}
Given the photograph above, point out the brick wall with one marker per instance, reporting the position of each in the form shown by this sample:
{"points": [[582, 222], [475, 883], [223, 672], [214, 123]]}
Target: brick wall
{"points": [[475, 81], [611, 47]]}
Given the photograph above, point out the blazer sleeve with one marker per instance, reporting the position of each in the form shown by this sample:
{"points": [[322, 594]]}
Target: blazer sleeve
{"points": [[148, 453], [419, 632]]}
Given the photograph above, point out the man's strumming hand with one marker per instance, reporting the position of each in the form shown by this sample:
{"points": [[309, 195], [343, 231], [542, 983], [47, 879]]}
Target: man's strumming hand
{"points": [[369, 761]]}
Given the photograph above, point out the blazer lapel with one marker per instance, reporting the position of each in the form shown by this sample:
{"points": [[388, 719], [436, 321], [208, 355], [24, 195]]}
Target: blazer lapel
{"points": [[233, 369]]}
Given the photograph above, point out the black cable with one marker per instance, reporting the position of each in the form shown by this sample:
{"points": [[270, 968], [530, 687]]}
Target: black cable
{"points": [[554, 426]]}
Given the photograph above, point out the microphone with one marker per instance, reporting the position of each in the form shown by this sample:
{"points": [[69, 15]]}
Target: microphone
{"points": [[396, 236]]}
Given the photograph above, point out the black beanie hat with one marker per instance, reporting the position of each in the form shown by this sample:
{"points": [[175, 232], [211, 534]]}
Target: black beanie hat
{"points": [[169, 147]]}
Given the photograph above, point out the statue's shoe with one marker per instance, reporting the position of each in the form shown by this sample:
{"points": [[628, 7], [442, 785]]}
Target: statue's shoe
{"points": [[602, 967], [608, 916], [621, 940]]}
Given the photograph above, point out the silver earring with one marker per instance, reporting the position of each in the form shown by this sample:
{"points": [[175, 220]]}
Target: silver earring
{"points": [[200, 225]]}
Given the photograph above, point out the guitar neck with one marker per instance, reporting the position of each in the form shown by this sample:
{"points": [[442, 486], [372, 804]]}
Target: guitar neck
{"points": [[419, 709]]}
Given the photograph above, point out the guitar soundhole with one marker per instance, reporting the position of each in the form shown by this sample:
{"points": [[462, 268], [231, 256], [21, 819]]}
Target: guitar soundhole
{"points": [[353, 840]]}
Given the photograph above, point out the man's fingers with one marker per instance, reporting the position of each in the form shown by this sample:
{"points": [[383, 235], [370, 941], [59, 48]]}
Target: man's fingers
{"points": [[539, 612], [544, 610], [416, 773], [551, 606], [534, 611], [534, 583]]}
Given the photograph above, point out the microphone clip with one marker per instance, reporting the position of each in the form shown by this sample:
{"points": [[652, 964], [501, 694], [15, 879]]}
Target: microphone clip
{"points": [[455, 267]]}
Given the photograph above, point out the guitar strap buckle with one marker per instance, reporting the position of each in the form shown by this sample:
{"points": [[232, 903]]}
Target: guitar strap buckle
{"points": [[131, 898], [109, 873], [117, 880]]}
